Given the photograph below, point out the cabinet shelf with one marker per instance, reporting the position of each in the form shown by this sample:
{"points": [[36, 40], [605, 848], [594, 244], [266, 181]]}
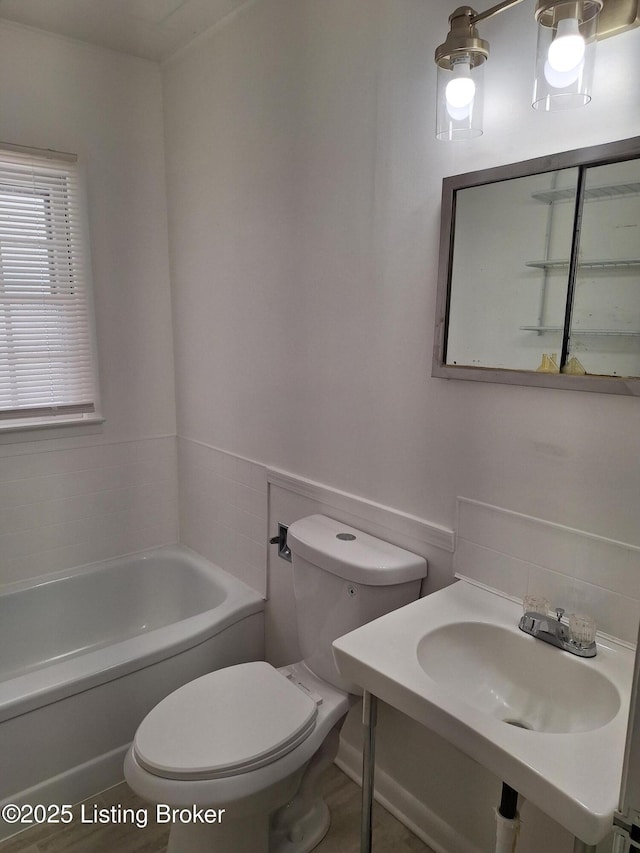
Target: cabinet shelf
{"points": [[590, 193], [630, 333], [589, 265]]}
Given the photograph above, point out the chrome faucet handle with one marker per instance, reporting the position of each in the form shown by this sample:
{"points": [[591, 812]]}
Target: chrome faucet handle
{"points": [[557, 633]]}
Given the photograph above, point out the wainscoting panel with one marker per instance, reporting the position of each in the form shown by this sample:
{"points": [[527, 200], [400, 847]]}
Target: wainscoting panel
{"points": [[223, 510], [62, 507], [518, 554]]}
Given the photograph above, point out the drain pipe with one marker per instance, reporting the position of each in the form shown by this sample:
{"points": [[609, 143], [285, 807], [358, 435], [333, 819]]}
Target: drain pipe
{"points": [[508, 821]]}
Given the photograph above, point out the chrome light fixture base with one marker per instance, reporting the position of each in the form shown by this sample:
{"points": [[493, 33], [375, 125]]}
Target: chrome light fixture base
{"points": [[549, 12], [462, 40], [617, 16]]}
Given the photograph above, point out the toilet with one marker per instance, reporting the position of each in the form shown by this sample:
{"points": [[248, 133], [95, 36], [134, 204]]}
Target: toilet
{"points": [[235, 757]]}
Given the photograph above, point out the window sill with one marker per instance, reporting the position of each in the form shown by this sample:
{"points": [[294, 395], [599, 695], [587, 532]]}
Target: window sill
{"points": [[33, 431]]}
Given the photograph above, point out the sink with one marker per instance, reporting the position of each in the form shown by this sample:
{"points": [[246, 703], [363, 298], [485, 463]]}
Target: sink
{"points": [[507, 676], [550, 724]]}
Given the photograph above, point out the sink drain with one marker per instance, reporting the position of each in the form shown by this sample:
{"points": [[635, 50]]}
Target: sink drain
{"points": [[519, 724]]}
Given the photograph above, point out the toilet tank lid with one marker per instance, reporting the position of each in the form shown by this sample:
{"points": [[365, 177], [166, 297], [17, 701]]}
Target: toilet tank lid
{"points": [[352, 554]]}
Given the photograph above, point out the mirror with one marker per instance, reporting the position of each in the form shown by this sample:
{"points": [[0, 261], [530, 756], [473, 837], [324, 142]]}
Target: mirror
{"points": [[539, 278]]}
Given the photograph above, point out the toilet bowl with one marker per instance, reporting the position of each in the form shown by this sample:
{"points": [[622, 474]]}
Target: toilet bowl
{"points": [[249, 777], [235, 757]]}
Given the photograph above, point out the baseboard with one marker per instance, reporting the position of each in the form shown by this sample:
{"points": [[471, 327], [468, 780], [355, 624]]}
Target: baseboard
{"points": [[414, 814], [73, 786], [103, 772]]}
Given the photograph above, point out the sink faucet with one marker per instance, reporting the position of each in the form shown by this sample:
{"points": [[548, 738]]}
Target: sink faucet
{"points": [[555, 632]]}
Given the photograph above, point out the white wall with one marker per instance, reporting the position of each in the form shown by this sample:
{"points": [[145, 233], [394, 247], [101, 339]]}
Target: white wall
{"points": [[304, 184], [82, 494]]}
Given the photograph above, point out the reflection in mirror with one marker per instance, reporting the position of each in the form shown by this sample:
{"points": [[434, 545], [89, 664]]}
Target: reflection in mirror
{"points": [[605, 327], [503, 291], [539, 279]]}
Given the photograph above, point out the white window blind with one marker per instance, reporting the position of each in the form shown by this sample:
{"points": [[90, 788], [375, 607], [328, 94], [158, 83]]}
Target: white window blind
{"points": [[47, 370]]}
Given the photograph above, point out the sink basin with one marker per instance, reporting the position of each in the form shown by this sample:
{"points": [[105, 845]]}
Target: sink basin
{"points": [[549, 724], [516, 681]]}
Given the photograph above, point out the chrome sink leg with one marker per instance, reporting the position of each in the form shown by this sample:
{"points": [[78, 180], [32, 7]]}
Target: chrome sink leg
{"points": [[581, 847], [369, 720]]}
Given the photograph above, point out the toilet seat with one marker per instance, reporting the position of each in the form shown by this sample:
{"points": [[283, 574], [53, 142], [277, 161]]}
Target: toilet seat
{"points": [[226, 723]]}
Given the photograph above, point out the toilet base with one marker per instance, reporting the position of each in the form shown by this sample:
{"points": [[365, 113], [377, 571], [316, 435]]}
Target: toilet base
{"points": [[225, 838], [307, 833], [244, 827], [301, 825]]}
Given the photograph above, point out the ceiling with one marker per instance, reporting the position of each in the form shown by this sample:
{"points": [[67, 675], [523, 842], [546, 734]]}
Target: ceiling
{"points": [[152, 29]]}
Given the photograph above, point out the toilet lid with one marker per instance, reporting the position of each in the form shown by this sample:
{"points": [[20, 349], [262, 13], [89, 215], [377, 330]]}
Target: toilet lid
{"points": [[227, 722]]}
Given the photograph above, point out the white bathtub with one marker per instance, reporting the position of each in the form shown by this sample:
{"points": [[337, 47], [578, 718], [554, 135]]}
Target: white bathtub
{"points": [[85, 654]]}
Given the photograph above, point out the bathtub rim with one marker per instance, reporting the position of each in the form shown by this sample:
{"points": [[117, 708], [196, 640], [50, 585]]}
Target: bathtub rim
{"points": [[52, 682]]}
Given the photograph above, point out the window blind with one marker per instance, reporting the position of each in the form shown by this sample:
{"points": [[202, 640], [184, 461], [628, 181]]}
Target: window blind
{"points": [[46, 348]]}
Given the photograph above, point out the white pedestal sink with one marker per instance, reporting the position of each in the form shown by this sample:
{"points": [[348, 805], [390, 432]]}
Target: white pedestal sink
{"points": [[548, 723]]}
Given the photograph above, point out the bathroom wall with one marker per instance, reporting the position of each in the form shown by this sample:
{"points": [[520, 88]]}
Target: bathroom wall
{"points": [[74, 495], [304, 184]]}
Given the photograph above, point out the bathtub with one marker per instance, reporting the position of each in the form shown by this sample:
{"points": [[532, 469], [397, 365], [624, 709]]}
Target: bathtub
{"points": [[86, 654]]}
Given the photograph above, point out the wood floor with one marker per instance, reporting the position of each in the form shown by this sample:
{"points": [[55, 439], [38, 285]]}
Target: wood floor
{"points": [[341, 794]]}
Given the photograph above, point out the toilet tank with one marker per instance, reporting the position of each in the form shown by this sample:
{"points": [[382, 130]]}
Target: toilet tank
{"points": [[342, 579]]}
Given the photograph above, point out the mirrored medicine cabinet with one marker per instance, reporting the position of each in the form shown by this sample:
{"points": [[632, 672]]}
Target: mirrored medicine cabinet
{"points": [[539, 277]]}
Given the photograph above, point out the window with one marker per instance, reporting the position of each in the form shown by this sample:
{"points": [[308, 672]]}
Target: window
{"points": [[47, 360]]}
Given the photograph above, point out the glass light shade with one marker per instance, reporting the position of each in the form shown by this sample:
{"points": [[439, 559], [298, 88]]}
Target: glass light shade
{"points": [[460, 100], [565, 57]]}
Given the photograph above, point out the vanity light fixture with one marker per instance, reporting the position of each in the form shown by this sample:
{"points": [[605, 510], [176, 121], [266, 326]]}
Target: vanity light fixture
{"points": [[567, 35], [565, 57], [460, 60]]}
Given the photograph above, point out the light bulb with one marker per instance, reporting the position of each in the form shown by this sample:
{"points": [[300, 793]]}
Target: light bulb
{"points": [[566, 51], [562, 79], [460, 91]]}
